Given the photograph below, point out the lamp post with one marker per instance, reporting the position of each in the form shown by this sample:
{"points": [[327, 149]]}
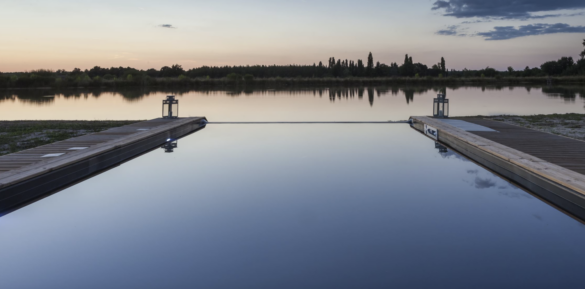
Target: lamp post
{"points": [[170, 107], [441, 106]]}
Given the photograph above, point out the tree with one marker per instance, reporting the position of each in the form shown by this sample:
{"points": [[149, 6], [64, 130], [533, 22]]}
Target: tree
{"points": [[557, 67], [173, 71], [407, 68], [370, 67], [360, 68], [583, 52], [443, 68]]}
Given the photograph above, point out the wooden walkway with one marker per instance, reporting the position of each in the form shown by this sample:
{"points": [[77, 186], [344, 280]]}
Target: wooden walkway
{"points": [[32, 173], [550, 166], [565, 152]]}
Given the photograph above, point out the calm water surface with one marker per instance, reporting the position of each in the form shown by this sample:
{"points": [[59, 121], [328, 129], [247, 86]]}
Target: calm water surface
{"points": [[302, 104], [294, 206]]}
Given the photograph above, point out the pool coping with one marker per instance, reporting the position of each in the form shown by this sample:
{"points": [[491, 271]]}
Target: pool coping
{"points": [[558, 185], [32, 181]]}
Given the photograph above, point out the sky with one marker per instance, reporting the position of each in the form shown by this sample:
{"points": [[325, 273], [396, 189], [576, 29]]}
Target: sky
{"points": [[473, 34]]}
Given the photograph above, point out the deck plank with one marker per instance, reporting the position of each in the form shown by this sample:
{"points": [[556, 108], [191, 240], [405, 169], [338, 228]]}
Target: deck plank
{"points": [[562, 151]]}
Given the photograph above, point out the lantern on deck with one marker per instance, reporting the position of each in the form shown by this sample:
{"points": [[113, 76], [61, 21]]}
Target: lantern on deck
{"points": [[170, 107], [441, 106]]}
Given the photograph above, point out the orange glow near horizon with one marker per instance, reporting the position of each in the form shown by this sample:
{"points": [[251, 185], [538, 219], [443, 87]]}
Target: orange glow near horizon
{"points": [[64, 35]]}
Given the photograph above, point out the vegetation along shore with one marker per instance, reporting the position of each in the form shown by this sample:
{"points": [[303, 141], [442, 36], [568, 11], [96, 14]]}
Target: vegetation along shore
{"points": [[21, 135], [570, 125], [336, 71]]}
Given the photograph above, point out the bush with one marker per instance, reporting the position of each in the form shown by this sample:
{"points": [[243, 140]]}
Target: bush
{"points": [[248, 77], [233, 77]]}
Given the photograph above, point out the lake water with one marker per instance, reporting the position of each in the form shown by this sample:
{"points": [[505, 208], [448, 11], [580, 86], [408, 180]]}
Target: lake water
{"points": [[295, 206], [294, 104]]}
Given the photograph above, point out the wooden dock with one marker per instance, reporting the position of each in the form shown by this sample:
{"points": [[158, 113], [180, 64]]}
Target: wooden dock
{"points": [[33, 173], [551, 166]]}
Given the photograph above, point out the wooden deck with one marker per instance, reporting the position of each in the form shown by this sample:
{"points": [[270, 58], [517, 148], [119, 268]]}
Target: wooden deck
{"points": [[550, 166], [29, 174], [565, 152]]}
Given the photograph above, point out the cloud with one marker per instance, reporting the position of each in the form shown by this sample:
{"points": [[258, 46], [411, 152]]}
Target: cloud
{"points": [[509, 32], [476, 21], [506, 9], [450, 31], [167, 26]]}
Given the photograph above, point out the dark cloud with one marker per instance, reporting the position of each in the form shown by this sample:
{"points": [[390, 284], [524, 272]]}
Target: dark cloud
{"points": [[506, 9], [509, 32], [167, 26]]}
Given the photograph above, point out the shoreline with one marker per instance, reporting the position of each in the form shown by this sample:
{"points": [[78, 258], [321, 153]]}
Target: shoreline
{"points": [[317, 82]]}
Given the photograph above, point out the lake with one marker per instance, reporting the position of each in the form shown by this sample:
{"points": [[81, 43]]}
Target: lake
{"points": [[292, 104]]}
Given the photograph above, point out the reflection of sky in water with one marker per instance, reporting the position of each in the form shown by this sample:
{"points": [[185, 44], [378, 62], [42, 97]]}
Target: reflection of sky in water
{"points": [[484, 179], [293, 206]]}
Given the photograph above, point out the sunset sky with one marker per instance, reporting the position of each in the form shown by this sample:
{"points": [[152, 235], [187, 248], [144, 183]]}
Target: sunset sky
{"points": [[145, 34]]}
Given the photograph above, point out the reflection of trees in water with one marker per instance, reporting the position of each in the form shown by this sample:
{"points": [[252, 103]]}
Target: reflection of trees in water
{"points": [[568, 93], [38, 96]]}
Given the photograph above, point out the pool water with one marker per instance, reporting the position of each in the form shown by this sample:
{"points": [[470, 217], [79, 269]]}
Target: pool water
{"points": [[293, 206]]}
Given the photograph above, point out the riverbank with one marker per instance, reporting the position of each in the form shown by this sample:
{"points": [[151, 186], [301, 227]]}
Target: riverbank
{"points": [[178, 82], [21, 135], [570, 125]]}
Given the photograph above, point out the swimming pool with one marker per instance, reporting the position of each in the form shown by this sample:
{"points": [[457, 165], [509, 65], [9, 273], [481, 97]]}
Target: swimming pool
{"points": [[293, 206]]}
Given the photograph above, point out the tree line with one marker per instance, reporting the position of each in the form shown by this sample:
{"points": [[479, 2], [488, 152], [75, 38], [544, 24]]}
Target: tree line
{"points": [[334, 68]]}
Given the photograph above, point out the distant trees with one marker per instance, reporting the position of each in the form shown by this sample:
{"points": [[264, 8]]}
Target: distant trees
{"points": [[557, 67], [338, 68], [407, 68], [173, 71]]}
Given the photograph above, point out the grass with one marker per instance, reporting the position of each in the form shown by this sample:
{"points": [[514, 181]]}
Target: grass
{"points": [[21, 135], [569, 125]]}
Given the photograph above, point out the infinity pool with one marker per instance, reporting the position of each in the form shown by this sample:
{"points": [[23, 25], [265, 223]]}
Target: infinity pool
{"points": [[293, 206]]}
